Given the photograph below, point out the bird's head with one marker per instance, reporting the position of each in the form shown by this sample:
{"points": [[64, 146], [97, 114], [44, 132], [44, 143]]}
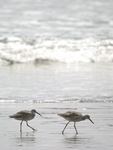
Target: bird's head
{"points": [[88, 117], [34, 111]]}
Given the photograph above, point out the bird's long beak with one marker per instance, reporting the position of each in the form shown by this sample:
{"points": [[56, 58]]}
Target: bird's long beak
{"points": [[38, 113], [91, 120]]}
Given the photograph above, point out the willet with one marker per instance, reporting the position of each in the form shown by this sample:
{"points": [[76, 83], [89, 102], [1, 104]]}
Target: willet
{"points": [[73, 116], [25, 115]]}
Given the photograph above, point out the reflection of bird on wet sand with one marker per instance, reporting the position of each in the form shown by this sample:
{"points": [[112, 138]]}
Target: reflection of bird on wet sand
{"points": [[25, 115], [73, 116]]}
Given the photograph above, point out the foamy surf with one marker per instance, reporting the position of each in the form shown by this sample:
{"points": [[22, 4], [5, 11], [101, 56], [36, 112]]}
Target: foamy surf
{"points": [[18, 50], [57, 101]]}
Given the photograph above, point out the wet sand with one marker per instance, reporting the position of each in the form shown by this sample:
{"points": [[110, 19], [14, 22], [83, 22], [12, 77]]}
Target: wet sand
{"points": [[49, 127]]}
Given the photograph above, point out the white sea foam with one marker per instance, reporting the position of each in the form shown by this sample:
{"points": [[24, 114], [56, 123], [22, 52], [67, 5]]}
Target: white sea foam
{"points": [[18, 50], [57, 101]]}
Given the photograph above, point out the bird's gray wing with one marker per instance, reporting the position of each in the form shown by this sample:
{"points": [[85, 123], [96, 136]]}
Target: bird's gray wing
{"points": [[16, 116], [70, 114], [73, 113], [24, 112]]}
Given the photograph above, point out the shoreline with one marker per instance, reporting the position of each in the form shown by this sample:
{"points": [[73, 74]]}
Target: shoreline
{"points": [[50, 126]]}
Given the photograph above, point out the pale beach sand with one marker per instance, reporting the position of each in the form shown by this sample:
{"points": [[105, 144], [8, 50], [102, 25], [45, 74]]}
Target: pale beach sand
{"points": [[49, 127]]}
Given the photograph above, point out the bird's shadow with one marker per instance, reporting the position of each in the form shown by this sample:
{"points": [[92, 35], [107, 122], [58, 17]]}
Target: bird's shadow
{"points": [[27, 134], [26, 138], [70, 140]]}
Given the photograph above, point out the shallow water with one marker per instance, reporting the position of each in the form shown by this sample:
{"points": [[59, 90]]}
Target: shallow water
{"points": [[91, 136], [51, 82]]}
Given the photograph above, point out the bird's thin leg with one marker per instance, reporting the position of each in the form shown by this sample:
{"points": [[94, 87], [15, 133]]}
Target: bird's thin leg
{"points": [[75, 128], [65, 127], [30, 126], [21, 126]]}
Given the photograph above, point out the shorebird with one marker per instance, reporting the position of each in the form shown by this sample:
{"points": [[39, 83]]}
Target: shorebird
{"points": [[25, 115], [73, 116]]}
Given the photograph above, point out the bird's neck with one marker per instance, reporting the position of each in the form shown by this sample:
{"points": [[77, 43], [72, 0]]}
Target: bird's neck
{"points": [[33, 113], [84, 117]]}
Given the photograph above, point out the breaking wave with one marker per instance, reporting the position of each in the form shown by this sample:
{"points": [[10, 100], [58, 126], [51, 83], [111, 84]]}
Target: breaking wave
{"points": [[17, 50]]}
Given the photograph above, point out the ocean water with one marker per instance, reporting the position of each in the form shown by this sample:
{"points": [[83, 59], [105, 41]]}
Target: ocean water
{"points": [[53, 51], [68, 32]]}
